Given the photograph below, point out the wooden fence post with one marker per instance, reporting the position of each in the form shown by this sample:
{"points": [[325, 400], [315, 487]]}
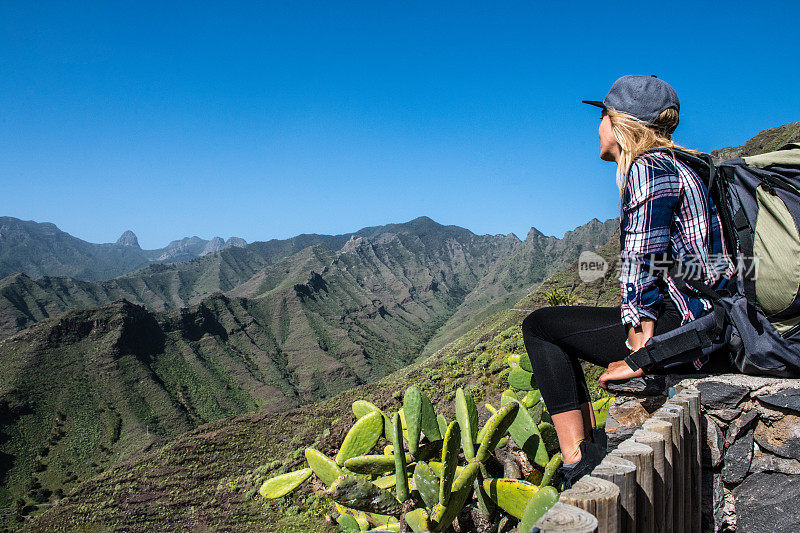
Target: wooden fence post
{"points": [[674, 415], [564, 518], [656, 442], [688, 449], [640, 455], [597, 496], [664, 428], [693, 398], [622, 473]]}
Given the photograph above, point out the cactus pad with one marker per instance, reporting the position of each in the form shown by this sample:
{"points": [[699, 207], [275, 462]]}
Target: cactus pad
{"points": [[400, 470], [467, 416], [417, 520], [326, 470], [521, 379], [549, 436], [363, 407], [525, 362], [538, 505], [600, 408], [427, 484], [443, 515], [359, 493], [385, 482], [495, 429], [452, 443], [526, 434], [510, 494], [508, 396], [532, 398], [284, 484], [347, 523], [372, 464], [362, 437], [550, 469], [420, 418]]}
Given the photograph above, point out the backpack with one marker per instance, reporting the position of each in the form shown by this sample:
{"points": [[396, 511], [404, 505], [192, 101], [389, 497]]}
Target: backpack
{"points": [[756, 315]]}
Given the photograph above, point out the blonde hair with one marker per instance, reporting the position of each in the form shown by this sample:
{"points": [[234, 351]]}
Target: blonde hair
{"points": [[635, 136]]}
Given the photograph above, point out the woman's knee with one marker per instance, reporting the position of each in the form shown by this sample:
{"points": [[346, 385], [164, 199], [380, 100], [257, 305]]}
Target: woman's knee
{"points": [[538, 323]]}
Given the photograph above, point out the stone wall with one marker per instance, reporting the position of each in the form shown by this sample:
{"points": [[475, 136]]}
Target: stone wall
{"points": [[751, 452]]}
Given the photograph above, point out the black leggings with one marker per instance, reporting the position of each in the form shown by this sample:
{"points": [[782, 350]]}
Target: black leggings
{"points": [[557, 337]]}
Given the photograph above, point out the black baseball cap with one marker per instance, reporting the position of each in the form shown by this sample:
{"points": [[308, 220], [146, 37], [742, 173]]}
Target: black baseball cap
{"points": [[644, 97]]}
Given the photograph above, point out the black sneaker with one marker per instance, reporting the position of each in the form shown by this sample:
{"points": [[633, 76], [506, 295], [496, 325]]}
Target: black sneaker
{"points": [[591, 456]]}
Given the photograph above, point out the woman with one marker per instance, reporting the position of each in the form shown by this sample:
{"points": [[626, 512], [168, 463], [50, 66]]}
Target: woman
{"points": [[666, 212]]}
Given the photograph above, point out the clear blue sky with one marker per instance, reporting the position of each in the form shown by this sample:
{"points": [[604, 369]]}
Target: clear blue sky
{"points": [[270, 119]]}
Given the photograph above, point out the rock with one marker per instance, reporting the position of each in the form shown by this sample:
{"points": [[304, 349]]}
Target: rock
{"points": [[742, 424], [720, 395], [728, 510], [766, 412], [767, 503], [627, 412], [725, 415], [781, 437], [785, 399], [715, 444], [651, 384], [766, 462], [737, 459], [713, 501], [618, 435]]}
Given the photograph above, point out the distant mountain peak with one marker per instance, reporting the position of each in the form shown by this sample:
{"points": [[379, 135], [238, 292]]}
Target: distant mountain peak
{"points": [[214, 245], [128, 239], [534, 233], [236, 241]]}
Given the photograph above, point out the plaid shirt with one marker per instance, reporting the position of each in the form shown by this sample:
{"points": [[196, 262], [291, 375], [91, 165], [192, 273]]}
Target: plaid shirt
{"points": [[667, 213]]}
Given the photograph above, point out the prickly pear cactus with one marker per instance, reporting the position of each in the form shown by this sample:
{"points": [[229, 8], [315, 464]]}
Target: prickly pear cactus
{"points": [[415, 466]]}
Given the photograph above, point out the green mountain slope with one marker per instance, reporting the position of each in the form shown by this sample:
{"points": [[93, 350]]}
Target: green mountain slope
{"points": [[765, 141], [518, 275]]}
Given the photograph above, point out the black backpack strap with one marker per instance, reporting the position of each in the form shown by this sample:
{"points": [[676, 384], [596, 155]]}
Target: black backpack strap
{"points": [[681, 283], [685, 342], [744, 235]]}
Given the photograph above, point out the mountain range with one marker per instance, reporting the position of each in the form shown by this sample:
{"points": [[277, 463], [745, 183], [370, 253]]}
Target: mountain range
{"points": [[94, 371], [41, 249]]}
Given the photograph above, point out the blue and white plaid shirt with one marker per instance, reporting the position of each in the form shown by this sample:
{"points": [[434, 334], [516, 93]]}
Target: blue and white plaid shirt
{"points": [[667, 213]]}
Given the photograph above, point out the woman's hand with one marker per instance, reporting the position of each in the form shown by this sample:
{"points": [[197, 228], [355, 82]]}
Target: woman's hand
{"points": [[618, 370]]}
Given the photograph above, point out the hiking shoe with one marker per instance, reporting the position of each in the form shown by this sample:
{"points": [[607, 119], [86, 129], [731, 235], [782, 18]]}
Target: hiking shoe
{"points": [[591, 456]]}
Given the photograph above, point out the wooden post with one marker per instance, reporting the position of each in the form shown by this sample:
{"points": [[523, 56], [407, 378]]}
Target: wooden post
{"points": [[564, 518], [656, 442], [640, 455], [597, 496], [664, 428], [674, 415], [621, 473], [693, 397], [686, 461]]}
